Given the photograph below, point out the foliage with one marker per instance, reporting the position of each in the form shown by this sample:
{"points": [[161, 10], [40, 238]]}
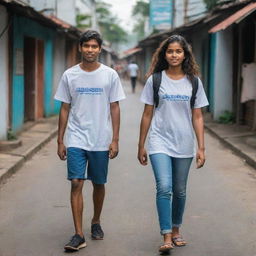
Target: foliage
{"points": [[108, 24], [11, 135], [141, 8], [227, 118], [140, 11], [103, 11], [83, 17], [139, 28]]}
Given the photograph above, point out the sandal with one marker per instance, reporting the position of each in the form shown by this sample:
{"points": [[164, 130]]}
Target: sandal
{"points": [[166, 247], [179, 241]]}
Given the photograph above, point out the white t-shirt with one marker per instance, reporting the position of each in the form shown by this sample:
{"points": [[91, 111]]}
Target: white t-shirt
{"points": [[90, 94], [133, 68], [171, 130]]}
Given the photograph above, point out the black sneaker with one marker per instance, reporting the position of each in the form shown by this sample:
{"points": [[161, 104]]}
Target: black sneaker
{"points": [[97, 232], [77, 242]]}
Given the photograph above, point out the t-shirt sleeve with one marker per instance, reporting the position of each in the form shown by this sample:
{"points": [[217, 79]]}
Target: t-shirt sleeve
{"points": [[116, 90], [201, 99], [147, 96], [63, 91]]}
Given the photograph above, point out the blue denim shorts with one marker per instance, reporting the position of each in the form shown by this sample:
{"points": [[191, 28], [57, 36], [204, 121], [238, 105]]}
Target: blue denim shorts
{"points": [[91, 165]]}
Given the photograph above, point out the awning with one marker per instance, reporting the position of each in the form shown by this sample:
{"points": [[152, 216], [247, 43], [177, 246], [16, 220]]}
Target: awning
{"points": [[130, 52], [234, 18]]}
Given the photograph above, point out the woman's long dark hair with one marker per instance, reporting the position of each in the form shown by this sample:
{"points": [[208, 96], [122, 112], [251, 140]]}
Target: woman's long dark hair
{"points": [[159, 63]]}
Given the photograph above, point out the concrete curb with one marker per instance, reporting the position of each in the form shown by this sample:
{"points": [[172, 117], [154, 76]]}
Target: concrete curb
{"points": [[11, 170], [249, 160], [31, 151], [26, 156]]}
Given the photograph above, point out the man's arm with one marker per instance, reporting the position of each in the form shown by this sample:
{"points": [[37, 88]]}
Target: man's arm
{"points": [[115, 116], [63, 119]]}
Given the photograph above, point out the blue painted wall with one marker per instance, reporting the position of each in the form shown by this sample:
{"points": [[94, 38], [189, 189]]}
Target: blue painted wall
{"points": [[212, 60], [25, 27]]}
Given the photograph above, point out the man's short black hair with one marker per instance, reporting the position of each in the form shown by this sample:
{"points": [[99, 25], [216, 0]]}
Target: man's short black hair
{"points": [[89, 35]]}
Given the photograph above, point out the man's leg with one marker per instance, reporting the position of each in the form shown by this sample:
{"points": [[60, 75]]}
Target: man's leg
{"points": [[133, 81], [98, 199], [97, 173], [76, 163], [77, 241], [76, 199]]}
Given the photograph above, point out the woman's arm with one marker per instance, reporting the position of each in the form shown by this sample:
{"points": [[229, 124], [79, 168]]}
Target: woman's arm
{"points": [[144, 126], [63, 119], [198, 124]]}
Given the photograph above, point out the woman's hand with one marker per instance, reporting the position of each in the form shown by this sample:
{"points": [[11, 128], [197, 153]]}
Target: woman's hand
{"points": [[142, 156], [200, 158]]}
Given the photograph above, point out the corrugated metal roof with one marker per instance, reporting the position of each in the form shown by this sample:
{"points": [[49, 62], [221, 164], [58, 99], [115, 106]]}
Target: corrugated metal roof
{"points": [[58, 21], [21, 8], [217, 13], [234, 18], [130, 52]]}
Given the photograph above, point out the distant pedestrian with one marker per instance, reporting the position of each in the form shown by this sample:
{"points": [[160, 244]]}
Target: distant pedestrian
{"points": [[171, 137], [133, 72], [89, 92]]}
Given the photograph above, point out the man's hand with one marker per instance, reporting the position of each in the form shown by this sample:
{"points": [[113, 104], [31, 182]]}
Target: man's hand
{"points": [[113, 149], [142, 156], [200, 158], [62, 153]]}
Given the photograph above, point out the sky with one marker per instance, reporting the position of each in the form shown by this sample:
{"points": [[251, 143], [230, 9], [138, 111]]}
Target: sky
{"points": [[123, 9]]}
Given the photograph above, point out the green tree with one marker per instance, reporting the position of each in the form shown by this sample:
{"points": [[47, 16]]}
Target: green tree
{"points": [[80, 18], [108, 24], [140, 11], [141, 8]]}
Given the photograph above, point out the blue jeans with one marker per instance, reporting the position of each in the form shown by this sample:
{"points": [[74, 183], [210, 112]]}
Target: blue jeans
{"points": [[171, 176]]}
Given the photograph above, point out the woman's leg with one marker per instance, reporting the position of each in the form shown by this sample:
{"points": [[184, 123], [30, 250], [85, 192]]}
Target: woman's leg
{"points": [[162, 167], [181, 168]]}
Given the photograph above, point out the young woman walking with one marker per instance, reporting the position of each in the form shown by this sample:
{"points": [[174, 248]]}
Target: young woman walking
{"points": [[171, 138]]}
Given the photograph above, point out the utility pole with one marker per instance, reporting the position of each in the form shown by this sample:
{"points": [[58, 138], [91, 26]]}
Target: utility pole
{"points": [[173, 13], [186, 3], [56, 8]]}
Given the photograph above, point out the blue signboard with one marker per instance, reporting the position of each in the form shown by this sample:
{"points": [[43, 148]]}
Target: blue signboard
{"points": [[161, 14]]}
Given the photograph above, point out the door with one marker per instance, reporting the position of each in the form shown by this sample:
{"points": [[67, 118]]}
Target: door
{"points": [[29, 78], [39, 79]]}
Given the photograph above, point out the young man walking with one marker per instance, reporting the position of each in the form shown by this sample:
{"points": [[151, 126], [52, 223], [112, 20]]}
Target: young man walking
{"points": [[133, 72], [90, 93]]}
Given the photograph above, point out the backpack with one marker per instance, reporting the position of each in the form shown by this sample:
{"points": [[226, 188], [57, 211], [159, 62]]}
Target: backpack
{"points": [[157, 78]]}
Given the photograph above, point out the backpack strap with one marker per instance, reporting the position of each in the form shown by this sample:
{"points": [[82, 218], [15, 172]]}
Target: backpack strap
{"points": [[157, 78], [194, 83]]}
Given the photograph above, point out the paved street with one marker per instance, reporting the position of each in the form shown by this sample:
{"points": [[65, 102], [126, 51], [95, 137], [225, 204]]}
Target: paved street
{"points": [[220, 219]]}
